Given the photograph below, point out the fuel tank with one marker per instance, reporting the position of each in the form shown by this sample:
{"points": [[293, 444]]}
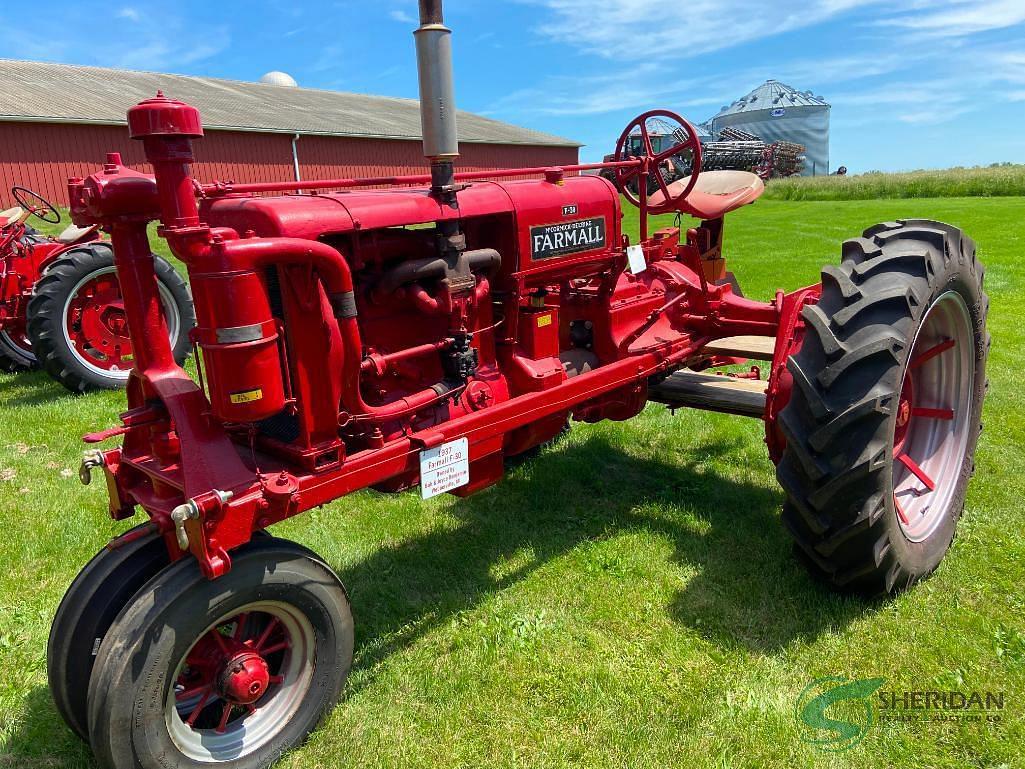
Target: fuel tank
{"points": [[563, 227]]}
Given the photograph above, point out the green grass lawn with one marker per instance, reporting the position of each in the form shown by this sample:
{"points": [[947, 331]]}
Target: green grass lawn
{"points": [[627, 599]]}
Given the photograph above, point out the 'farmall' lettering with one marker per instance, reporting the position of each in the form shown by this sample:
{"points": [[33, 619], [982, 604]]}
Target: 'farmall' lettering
{"points": [[567, 238]]}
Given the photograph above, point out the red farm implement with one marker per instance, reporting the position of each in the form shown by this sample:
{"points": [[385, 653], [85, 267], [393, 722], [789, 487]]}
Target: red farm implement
{"points": [[422, 334], [61, 305]]}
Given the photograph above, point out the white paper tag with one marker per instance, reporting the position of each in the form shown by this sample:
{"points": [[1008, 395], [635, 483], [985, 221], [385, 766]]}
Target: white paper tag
{"points": [[444, 468], [635, 259]]}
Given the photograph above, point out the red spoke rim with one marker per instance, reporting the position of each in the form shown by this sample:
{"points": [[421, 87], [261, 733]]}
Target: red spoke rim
{"points": [[932, 352], [241, 682], [96, 325], [931, 422], [233, 673], [900, 511], [17, 337], [96, 328], [917, 471]]}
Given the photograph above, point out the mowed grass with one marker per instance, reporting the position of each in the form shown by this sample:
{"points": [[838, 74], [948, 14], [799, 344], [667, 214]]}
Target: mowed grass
{"points": [[627, 599], [999, 180]]}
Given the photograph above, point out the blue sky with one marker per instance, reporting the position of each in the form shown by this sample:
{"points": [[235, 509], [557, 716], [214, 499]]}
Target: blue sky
{"points": [[913, 83]]}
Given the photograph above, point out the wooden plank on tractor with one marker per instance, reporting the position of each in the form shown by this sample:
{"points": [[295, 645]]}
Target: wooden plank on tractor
{"points": [[752, 347], [712, 392]]}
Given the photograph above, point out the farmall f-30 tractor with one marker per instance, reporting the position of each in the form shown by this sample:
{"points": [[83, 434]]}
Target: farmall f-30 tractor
{"points": [[423, 334], [60, 302]]}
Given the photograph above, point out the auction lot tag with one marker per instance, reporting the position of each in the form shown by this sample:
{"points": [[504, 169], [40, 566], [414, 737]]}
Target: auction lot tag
{"points": [[635, 259], [444, 468]]}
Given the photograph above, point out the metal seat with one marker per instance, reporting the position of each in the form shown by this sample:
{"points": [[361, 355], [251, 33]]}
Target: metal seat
{"points": [[11, 215], [73, 234], [715, 194]]}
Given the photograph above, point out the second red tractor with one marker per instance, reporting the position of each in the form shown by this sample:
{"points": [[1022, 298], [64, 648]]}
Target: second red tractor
{"points": [[60, 301]]}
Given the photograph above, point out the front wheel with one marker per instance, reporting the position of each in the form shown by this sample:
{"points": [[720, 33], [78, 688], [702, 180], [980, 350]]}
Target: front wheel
{"points": [[94, 599], [235, 671], [884, 417], [77, 323]]}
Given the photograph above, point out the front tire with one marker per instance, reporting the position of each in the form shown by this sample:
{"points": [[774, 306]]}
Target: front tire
{"points": [[76, 319], [884, 416], [234, 671], [90, 605]]}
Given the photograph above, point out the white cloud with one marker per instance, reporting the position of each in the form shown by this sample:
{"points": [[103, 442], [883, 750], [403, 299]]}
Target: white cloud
{"points": [[592, 95], [1010, 65], [402, 16], [879, 75], [697, 97], [958, 18], [657, 29], [159, 42], [985, 75]]}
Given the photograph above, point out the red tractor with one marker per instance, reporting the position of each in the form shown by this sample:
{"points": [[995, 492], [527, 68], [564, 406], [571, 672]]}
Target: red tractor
{"points": [[423, 334], [60, 302]]}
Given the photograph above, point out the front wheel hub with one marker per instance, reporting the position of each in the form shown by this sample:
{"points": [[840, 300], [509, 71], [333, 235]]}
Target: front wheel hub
{"points": [[244, 678]]}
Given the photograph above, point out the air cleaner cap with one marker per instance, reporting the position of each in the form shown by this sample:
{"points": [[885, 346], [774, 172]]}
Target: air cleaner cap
{"points": [[161, 116]]}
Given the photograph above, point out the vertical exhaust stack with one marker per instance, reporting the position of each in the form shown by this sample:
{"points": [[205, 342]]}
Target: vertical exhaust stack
{"points": [[437, 98]]}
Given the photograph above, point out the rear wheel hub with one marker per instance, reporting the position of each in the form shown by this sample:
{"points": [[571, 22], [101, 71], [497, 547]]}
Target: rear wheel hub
{"points": [[96, 324]]}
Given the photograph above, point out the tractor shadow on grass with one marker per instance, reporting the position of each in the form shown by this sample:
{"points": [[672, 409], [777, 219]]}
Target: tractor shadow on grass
{"points": [[748, 589], [30, 388], [41, 740]]}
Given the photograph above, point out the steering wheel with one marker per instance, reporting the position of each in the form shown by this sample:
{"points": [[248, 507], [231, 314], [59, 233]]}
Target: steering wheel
{"points": [[686, 139], [25, 197]]}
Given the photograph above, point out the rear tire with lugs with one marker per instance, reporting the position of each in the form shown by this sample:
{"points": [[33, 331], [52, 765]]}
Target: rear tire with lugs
{"points": [[76, 321], [884, 416]]}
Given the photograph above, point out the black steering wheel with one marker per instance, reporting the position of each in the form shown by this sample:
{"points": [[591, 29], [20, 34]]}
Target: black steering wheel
{"points": [[25, 197]]}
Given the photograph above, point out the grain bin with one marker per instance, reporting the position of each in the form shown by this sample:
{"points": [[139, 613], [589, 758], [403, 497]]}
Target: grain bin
{"points": [[776, 112]]}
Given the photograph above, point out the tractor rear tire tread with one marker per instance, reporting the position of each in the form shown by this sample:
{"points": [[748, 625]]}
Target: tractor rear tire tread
{"points": [[836, 469]]}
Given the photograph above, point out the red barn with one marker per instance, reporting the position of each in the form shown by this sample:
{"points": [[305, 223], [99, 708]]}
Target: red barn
{"points": [[58, 121]]}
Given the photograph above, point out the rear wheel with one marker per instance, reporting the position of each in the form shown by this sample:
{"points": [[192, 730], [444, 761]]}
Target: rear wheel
{"points": [[234, 671], [77, 324], [15, 351], [884, 416]]}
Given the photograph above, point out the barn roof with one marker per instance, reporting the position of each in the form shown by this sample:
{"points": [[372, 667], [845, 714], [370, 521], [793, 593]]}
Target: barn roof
{"points": [[44, 92]]}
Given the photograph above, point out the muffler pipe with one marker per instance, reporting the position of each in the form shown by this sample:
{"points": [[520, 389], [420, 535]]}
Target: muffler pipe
{"points": [[437, 97]]}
